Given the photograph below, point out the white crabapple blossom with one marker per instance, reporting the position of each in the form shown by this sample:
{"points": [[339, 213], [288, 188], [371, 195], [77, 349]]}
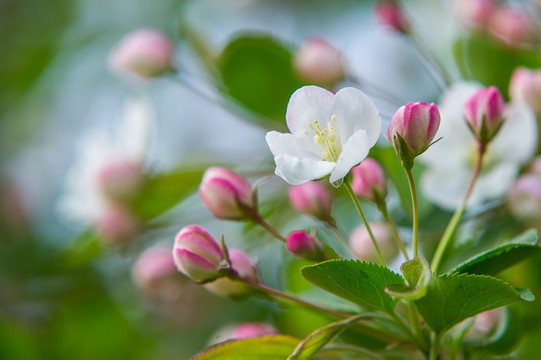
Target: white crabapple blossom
{"points": [[330, 134], [451, 160]]}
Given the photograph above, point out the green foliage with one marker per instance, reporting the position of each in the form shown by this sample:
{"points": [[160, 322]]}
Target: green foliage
{"points": [[417, 274], [256, 70], [481, 57], [452, 298], [496, 260], [264, 348], [360, 282]]}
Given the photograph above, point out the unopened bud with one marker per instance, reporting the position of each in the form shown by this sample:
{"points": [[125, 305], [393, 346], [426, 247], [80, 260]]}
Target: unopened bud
{"points": [[227, 194], [318, 62], [243, 267], [525, 86], [524, 198], [391, 14], [511, 25], [412, 129], [311, 198], [153, 268], [485, 323], [369, 180], [474, 14], [143, 53], [243, 331], [197, 254], [304, 245], [120, 180], [484, 113], [362, 246], [118, 226]]}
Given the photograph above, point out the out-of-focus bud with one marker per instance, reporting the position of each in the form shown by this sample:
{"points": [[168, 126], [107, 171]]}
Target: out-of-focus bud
{"points": [[120, 180], [227, 194], [511, 25], [117, 225], [197, 254], [369, 180], [474, 14], [535, 166], [484, 113], [153, 268], [318, 62], [391, 14], [241, 264], [362, 247], [143, 53], [485, 324], [243, 331], [525, 85], [524, 198], [412, 129], [304, 245], [311, 198]]}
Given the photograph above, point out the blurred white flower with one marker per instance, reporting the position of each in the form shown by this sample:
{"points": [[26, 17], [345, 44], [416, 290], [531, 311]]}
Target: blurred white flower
{"points": [[83, 200], [451, 160]]}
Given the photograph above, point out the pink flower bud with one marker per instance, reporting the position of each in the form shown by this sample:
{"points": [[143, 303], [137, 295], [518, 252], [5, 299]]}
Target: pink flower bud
{"points": [[196, 254], [241, 264], [512, 26], [227, 195], [524, 198], [120, 180], [474, 14], [253, 330], [143, 53], [311, 198], [412, 130], [485, 323], [117, 225], [484, 113], [369, 180], [153, 268], [391, 14], [318, 62], [525, 86], [304, 245], [361, 244]]}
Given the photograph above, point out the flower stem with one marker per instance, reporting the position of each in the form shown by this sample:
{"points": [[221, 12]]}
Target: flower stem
{"points": [[415, 211], [453, 223], [260, 221], [435, 347], [382, 206], [357, 204]]}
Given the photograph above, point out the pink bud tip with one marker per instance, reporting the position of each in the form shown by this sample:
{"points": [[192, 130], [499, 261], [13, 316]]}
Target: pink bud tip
{"points": [[390, 13], [311, 198], [197, 254], [369, 180], [227, 194], [484, 113], [303, 245], [143, 53], [318, 62]]}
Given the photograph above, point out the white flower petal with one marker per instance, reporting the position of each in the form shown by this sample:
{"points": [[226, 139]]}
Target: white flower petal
{"points": [[353, 152], [296, 171], [354, 111], [307, 104], [445, 186], [495, 183], [289, 144]]}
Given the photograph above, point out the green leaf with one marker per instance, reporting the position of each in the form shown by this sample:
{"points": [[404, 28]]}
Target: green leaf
{"points": [[163, 191], [417, 274], [481, 57], [496, 260], [452, 298], [263, 348], [360, 282], [256, 70], [319, 338]]}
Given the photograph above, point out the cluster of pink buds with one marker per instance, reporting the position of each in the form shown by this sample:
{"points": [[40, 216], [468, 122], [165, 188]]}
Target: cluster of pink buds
{"points": [[318, 62], [412, 130], [484, 113], [143, 53]]}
